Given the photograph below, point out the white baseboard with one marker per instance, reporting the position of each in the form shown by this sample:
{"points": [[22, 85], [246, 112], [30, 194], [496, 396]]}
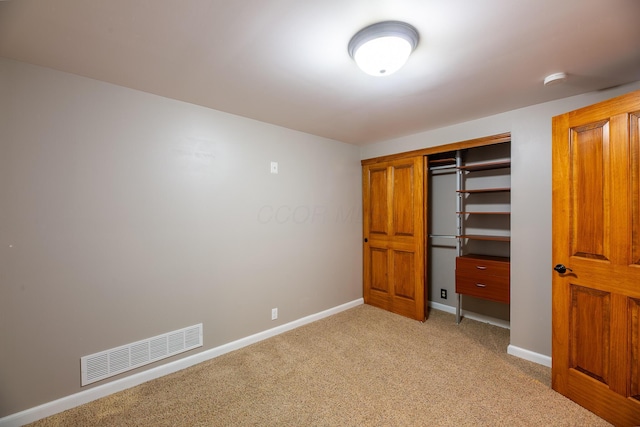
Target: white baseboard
{"points": [[471, 315], [522, 353], [529, 355], [33, 414]]}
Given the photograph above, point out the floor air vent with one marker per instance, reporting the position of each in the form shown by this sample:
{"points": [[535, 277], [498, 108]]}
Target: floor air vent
{"points": [[105, 364]]}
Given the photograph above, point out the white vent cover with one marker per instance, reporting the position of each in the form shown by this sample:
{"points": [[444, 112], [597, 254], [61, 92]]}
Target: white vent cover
{"points": [[108, 363]]}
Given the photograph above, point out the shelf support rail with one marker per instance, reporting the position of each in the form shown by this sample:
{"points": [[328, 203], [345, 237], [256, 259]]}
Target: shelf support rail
{"points": [[459, 188]]}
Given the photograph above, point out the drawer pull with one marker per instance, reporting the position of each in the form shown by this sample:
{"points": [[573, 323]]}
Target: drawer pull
{"points": [[481, 267], [481, 285]]}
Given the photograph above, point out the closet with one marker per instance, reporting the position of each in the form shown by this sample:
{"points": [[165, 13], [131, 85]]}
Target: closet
{"points": [[435, 222], [469, 223]]}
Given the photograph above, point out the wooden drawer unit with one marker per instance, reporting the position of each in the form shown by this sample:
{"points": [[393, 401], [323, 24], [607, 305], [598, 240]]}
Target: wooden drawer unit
{"points": [[484, 277]]}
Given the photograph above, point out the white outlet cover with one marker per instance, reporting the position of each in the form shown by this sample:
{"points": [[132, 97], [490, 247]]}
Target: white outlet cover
{"points": [[274, 167]]}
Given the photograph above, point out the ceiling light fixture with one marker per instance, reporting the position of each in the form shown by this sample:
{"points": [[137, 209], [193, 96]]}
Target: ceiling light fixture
{"points": [[382, 49], [554, 79]]}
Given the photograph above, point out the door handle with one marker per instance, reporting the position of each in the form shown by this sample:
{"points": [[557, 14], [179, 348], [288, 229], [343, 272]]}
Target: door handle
{"points": [[560, 268]]}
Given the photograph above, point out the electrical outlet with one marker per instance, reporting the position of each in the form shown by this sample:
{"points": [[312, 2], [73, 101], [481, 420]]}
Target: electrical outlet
{"points": [[274, 313], [274, 167], [443, 293]]}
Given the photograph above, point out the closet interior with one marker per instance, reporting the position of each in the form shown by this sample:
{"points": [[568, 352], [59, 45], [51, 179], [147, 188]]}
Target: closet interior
{"points": [[468, 224]]}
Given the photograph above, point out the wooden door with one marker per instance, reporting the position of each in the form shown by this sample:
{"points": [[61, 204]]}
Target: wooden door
{"points": [[596, 234], [394, 265]]}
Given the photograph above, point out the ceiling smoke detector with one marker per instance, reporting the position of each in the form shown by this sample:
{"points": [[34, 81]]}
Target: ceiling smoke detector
{"points": [[555, 79]]}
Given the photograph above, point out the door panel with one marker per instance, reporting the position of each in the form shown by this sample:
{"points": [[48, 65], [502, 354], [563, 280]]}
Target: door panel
{"points": [[378, 201], [393, 194], [379, 267], [403, 203], [589, 332], [589, 165], [634, 351], [596, 222], [634, 131], [404, 277]]}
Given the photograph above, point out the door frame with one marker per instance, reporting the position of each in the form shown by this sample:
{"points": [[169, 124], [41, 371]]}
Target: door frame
{"points": [[470, 143], [425, 152]]}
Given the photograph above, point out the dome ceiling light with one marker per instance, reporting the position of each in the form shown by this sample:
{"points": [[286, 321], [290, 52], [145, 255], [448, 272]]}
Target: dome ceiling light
{"points": [[383, 48]]}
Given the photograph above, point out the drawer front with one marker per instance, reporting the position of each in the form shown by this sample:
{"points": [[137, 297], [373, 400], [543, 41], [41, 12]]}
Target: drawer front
{"points": [[494, 288], [481, 268]]}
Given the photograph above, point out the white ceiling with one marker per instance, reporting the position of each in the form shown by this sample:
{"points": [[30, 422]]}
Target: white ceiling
{"points": [[286, 62]]}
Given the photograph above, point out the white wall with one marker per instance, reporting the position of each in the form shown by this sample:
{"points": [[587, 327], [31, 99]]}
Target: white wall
{"points": [[124, 215], [531, 263]]}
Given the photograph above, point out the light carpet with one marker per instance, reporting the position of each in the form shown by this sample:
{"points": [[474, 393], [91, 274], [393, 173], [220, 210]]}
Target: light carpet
{"points": [[361, 367]]}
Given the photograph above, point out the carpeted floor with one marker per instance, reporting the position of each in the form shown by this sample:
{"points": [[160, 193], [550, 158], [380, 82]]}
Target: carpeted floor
{"points": [[361, 367]]}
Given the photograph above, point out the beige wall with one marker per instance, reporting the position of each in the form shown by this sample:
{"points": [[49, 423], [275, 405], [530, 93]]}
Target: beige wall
{"points": [[531, 263], [125, 215]]}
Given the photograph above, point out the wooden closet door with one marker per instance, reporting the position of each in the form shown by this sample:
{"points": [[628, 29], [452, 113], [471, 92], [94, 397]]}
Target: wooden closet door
{"points": [[596, 234], [394, 265]]}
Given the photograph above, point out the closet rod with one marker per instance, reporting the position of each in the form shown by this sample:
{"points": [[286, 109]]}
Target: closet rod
{"points": [[439, 172], [444, 236], [438, 168]]}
